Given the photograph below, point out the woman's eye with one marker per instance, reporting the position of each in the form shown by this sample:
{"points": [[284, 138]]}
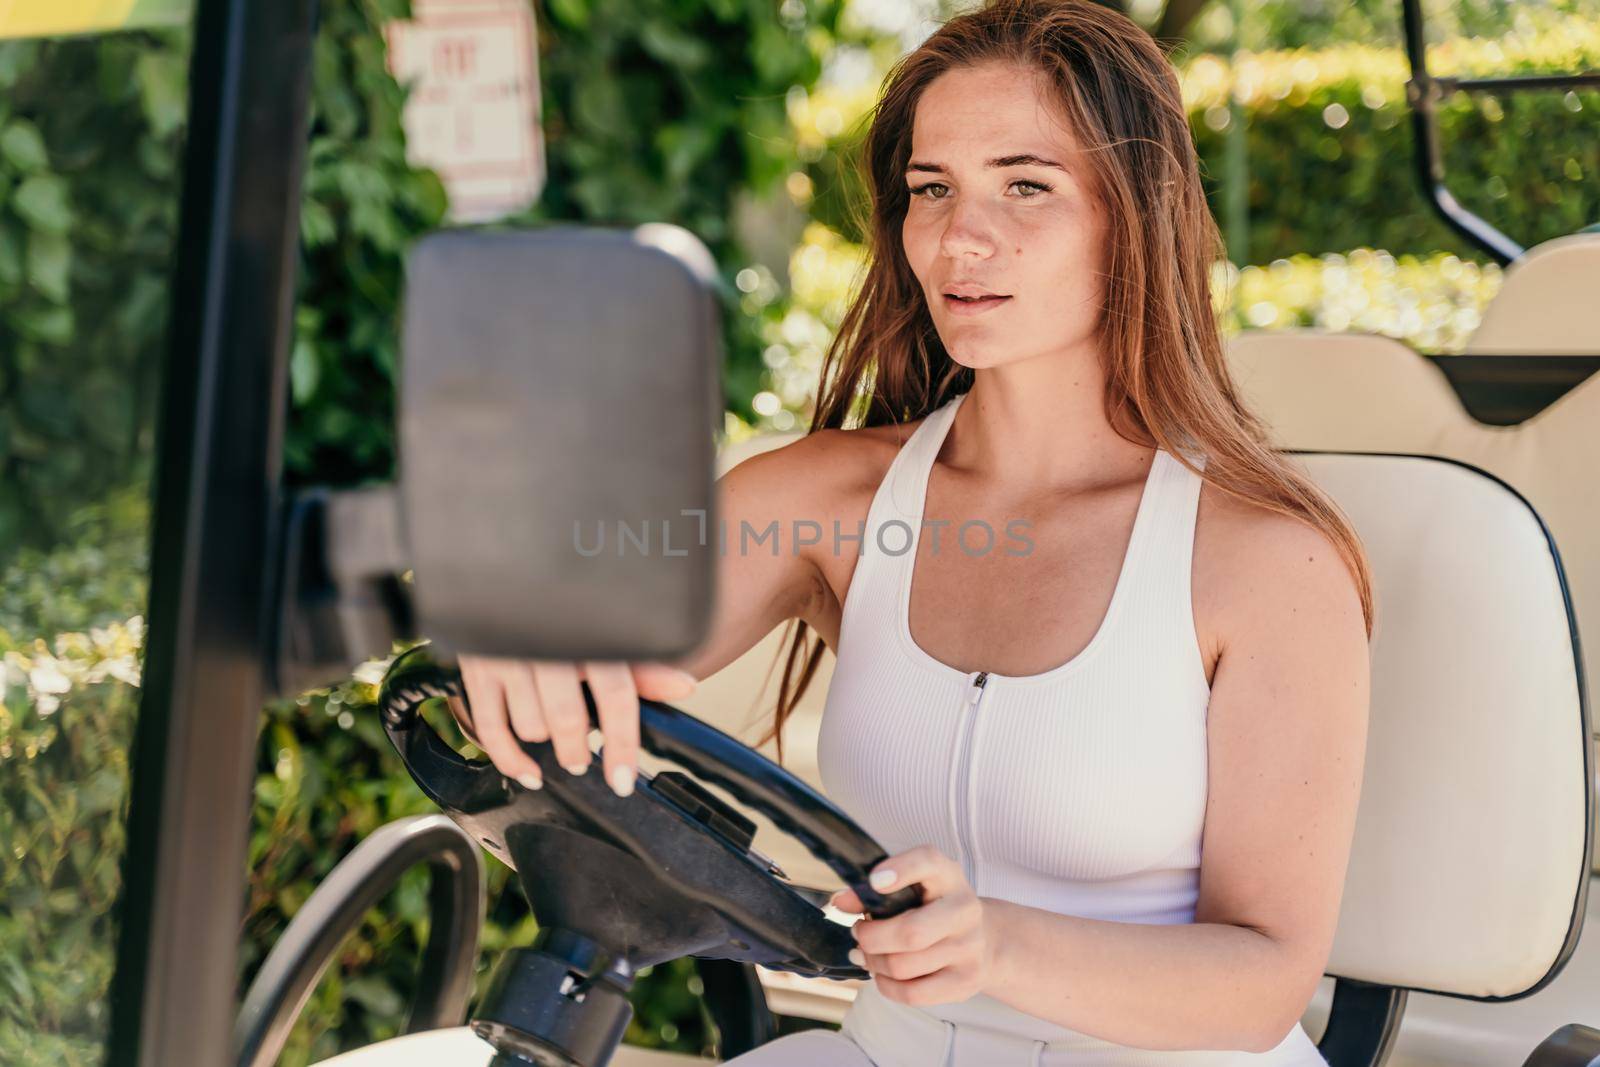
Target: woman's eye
{"points": [[923, 190]]}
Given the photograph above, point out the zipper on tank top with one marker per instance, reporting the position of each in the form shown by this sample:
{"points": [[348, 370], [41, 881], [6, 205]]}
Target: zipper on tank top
{"points": [[972, 698]]}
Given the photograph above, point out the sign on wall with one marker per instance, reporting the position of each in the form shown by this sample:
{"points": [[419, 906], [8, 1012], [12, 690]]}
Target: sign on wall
{"points": [[51, 18], [473, 111]]}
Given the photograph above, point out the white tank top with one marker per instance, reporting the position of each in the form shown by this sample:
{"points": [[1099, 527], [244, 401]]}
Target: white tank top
{"points": [[1080, 790]]}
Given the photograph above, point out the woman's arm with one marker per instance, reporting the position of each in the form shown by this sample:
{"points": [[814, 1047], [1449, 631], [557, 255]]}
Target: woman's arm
{"points": [[1286, 727], [762, 579]]}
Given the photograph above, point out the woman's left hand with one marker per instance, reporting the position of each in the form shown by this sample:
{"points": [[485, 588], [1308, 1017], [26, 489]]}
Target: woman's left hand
{"points": [[938, 953]]}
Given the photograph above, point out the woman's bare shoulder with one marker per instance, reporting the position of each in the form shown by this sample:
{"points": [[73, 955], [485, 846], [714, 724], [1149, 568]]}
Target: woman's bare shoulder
{"points": [[821, 474], [1252, 563]]}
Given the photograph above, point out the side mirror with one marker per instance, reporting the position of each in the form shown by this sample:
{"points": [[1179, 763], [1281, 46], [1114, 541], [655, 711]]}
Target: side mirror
{"points": [[559, 404]]}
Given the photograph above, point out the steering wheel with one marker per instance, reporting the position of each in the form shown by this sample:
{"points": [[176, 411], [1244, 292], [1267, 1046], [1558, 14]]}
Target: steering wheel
{"points": [[665, 872]]}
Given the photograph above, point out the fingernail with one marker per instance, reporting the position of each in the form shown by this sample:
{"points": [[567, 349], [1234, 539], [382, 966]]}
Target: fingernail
{"points": [[622, 780], [882, 880], [530, 781], [857, 958], [688, 678], [578, 768]]}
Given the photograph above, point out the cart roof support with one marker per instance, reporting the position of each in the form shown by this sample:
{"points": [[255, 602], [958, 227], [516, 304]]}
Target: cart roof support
{"points": [[218, 451]]}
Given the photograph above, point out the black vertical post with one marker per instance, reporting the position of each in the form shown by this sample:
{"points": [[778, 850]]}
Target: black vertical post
{"points": [[218, 451], [1424, 94]]}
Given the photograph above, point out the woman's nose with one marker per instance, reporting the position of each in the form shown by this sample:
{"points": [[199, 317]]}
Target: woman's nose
{"points": [[966, 233]]}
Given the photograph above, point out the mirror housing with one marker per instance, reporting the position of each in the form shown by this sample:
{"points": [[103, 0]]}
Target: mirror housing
{"points": [[559, 404]]}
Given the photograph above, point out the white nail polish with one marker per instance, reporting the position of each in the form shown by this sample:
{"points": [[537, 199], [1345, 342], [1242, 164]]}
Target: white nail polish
{"points": [[882, 880], [578, 768], [857, 958], [622, 781], [531, 781]]}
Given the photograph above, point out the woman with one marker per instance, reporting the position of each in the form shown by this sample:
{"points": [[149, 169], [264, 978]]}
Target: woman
{"points": [[1118, 738]]}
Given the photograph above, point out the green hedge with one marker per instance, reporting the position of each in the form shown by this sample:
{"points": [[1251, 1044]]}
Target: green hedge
{"points": [[1329, 144], [66, 728], [87, 210]]}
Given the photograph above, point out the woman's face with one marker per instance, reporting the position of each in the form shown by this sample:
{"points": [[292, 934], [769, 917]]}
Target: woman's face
{"points": [[983, 217]]}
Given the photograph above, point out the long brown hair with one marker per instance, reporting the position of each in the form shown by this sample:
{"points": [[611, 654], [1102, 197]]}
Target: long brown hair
{"points": [[1167, 384]]}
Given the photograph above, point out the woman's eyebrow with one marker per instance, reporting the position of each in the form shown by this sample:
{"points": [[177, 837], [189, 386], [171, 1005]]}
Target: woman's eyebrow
{"points": [[1023, 159]]}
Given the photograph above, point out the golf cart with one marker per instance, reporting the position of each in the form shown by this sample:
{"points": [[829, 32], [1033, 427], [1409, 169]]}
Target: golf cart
{"points": [[1469, 883]]}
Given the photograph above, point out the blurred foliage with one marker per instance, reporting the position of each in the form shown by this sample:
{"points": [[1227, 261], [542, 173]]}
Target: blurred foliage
{"points": [[89, 192], [674, 111], [66, 724], [666, 111], [363, 206], [87, 209], [1329, 143], [1432, 302], [1289, 24]]}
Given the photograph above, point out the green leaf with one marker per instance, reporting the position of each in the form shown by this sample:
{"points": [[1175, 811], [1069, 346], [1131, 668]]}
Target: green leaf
{"points": [[304, 371], [317, 227], [15, 58], [42, 202], [683, 146], [104, 790], [22, 146], [49, 264], [52, 325], [10, 256], [672, 46], [573, 13], [426, 196], [163, 90], [375, 994]]}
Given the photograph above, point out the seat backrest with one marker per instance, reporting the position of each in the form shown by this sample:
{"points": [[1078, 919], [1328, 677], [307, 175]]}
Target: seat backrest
{"points": [[1470, 862], [1546, 302], [1366, 393]]}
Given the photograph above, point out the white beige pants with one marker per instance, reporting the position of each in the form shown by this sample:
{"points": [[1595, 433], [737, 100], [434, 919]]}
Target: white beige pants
{"points": [[879, 1033], [809, 1048]]}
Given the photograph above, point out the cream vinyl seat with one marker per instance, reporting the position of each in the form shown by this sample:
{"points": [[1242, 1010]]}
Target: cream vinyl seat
{"points": [[1545, 304], [1367, 393]]}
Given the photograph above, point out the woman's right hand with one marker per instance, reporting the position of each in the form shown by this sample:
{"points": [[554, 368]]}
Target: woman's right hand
{"points": [[539, 700]]}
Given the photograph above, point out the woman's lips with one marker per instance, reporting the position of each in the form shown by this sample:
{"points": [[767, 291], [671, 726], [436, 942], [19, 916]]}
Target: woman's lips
{"points": [[973, 307]]}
